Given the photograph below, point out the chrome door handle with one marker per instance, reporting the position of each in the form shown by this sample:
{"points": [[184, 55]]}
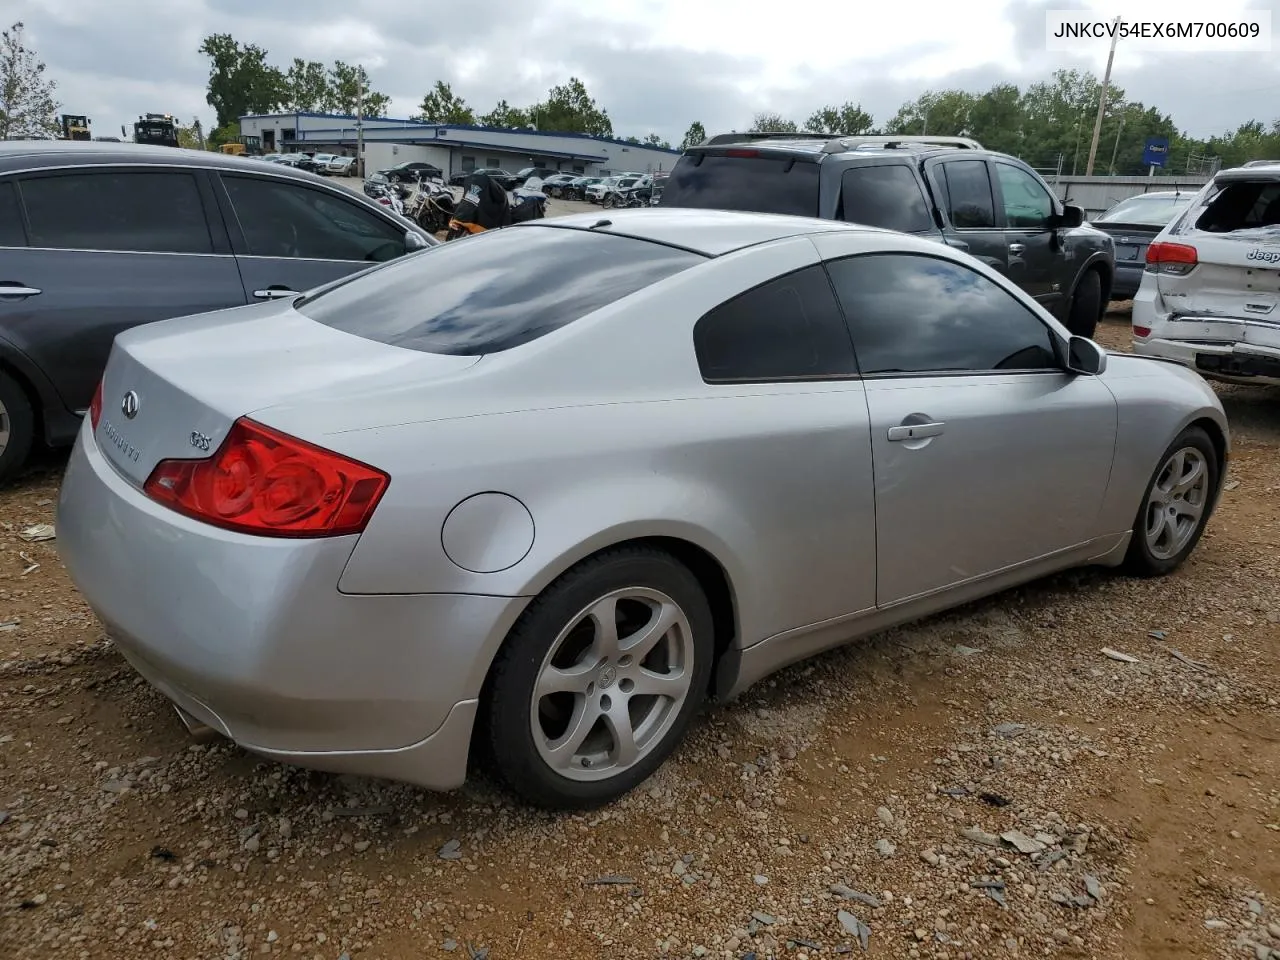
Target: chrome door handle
{"points": [[275, 293], [1017, 247], [17, 291], [916, 431]]}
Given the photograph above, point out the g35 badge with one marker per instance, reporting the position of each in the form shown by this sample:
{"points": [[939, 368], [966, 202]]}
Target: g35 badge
{"points": [[200, 441]]}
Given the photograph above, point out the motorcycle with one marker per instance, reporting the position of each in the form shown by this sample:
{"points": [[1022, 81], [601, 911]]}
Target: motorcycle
{"points": [[389, 196], [431, 205], [486, 206]]}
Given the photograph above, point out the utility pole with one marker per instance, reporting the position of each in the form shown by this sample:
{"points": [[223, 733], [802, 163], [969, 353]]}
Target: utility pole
{"points": [[1116, 149], [1102, 101], [360, 120]]}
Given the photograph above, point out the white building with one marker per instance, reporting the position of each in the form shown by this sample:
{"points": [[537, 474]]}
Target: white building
{"points": [[454, 148]]}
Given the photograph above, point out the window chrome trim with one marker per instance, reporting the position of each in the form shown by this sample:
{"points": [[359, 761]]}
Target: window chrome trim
{"points": [[144, 253]]}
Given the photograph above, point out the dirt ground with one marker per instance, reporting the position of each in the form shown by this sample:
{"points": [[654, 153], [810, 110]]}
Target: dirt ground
{"points": [[858, 795]]}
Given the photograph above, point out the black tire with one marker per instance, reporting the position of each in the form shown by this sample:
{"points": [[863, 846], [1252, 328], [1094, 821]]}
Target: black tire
{"points": [[1141, 561], [1086, 305], [16, 414], [509, 734]]}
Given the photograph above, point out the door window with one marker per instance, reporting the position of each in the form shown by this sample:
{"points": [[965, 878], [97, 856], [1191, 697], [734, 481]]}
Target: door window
{"points": [[282, 219], [886, 196], [147, 211], [969, 193], [11, 232], [1026, 202], [916, 314], [787, 329]]}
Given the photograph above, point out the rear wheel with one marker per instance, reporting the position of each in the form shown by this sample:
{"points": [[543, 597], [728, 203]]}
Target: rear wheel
{"points": [[1175, 508], [599, 679], [17, 427], [1086, 305]]}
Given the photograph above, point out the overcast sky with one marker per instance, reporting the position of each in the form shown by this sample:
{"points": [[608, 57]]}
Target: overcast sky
{"points": [[656, 65]]}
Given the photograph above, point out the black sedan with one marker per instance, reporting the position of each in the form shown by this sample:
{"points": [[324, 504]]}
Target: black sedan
{"points": [[508, 181], [1133, 224], [411, 170]]}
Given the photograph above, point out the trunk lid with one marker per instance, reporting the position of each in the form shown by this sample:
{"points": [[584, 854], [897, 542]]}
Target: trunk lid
{"points": [[173, 389], [1131, 239], [1235, 285]]}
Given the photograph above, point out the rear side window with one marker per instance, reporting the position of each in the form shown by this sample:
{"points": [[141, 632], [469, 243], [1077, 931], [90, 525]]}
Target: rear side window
{"points": [[11, 232], [496, 290], [757, 183], [1243, 206], [790, 328], [886, 196], [969, 193], [146, 211]]}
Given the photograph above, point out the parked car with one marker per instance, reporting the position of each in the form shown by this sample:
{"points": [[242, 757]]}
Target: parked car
{"points": [[1133, 223], [411, 170], [563, 583], [989, 204], [576, 189], [342, 166], [598, 191], [507, 181], [529, 173], [324, 163], [303, 161], [1210, 293], [96, 238], [555, 184]]}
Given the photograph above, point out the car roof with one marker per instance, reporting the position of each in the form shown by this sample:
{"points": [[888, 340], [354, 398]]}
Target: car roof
{"points": [[1249, 173], [1158, 194], [709, 232], [25, 154]]}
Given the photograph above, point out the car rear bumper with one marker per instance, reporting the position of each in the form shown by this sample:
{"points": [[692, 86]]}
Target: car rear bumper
{"points": [[1127, 280], [1231, 362], [250, 635]]}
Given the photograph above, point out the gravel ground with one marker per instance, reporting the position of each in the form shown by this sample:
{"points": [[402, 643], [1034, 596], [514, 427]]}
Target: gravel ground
{"points": [[984, 784]]}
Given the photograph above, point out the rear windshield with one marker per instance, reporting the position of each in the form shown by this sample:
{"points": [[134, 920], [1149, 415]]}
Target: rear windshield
{"points": [[1249, 205], [761, 184], [494, 291], [1148, 211]]}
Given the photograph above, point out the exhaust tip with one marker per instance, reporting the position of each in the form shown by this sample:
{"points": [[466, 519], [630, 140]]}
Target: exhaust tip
{"points": [[200, 732]]}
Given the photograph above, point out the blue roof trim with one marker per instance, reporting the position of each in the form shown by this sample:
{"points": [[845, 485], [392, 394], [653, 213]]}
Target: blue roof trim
{"points": [[346, 133], [463, 126]]}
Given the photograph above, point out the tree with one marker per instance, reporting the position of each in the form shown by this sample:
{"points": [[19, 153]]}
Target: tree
{"points": [[694, 135], [942, 113], [653, 140], [349, 89], [846, 120], [506, 117], [442, 105], [191, 137], [996, 120], [570, 109], [306, 86], [28, 110], [240, 79], [772, 123]]}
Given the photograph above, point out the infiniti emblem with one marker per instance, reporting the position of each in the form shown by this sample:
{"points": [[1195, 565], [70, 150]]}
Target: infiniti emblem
{"points": [[129, 405]]}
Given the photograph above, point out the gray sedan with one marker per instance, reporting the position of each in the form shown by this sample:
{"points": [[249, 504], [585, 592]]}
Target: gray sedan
{"points": [[468, 498]]}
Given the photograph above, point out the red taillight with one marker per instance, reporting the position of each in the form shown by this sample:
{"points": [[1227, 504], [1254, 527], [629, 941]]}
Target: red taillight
{"points": [[1141, 332], [264, 482], [95, 406], [1172, 258], [742, 153]]}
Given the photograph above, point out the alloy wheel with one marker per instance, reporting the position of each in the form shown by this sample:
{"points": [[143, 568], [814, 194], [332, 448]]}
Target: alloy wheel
{"points": [[6, 427], [1176, 503], [613, 684]]}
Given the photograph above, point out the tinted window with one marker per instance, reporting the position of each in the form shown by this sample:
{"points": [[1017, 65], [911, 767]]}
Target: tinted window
{"points": [[282, 219], [495, 290], [151, 211], [915, 314], [787, 329], [11, 232], [969, 193], [762, 184], [1026, 202], [884, 196]]}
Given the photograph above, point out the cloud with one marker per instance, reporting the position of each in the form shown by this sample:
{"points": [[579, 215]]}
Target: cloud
{"points": [[655, 65]]}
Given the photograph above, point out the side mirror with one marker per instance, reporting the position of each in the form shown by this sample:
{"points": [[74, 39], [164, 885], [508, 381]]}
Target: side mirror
{"points": [[1072, 216], [414, 241], [1085, 357]]}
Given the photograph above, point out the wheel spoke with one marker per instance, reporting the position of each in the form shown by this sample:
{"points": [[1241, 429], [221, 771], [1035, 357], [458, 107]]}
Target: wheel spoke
{"points": [[648, 683], [573, 680], [1186, 482], [605, 617], [1157, 521], [560, 751], [640, 644], [618, 720], [1186, 508], [1172, 472]]}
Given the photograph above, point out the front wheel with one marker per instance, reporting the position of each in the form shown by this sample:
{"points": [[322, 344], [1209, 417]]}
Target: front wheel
{"points": [[599, 679], [1175, 507], [1086, 305]]}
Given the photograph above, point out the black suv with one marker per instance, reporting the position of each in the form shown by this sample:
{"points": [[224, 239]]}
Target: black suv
{"points": [[989, 204]]}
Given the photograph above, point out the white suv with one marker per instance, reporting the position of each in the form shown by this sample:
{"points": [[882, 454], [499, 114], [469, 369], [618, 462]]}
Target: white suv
{"points": [[1210, 292]]}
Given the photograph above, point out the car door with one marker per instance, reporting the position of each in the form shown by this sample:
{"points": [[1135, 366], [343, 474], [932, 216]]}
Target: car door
{"points": [[1029, 230], [967, 202], [988, 454], [109, 248], [885, 194], [290, 236]]}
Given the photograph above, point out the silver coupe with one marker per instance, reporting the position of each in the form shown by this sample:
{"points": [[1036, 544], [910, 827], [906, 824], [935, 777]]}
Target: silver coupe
{"points": [[536, 495]]}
